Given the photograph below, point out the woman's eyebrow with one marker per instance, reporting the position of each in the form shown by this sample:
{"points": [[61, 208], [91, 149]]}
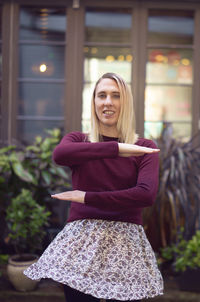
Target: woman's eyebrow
{"points": [[103, 91]]}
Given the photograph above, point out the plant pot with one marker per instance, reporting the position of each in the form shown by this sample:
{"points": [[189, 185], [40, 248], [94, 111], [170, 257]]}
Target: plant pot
{"points": [[16, 266], [189, 280]]}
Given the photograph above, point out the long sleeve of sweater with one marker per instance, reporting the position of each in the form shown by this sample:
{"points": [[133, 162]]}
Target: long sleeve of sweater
{"points": [[141, 195], [74, 149]]}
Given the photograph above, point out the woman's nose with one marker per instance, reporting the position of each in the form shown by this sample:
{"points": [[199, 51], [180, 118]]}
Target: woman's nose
{"points": [[108, 100]]}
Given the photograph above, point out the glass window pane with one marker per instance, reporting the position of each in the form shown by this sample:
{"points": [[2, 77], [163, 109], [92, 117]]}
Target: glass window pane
{"points": [[42, 99], [170, 27], [180, 130], [42, 61], [39, 23], [29, 129], [108, 25], [167, 104], [170, 66], [99, 60]]}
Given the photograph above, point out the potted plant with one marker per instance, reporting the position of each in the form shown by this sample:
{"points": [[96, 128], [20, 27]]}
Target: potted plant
{"points": [[185, 256], [31, 167], [26, 221]]}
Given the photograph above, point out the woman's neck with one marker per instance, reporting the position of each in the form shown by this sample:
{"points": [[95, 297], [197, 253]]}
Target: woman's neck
{"points": [[109, 132]]}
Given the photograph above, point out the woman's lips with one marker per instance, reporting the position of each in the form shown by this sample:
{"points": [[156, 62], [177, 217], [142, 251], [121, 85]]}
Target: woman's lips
{"points": [[108, 112]]}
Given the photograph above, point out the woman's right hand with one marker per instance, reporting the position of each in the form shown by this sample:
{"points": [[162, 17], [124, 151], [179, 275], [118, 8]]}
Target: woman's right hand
{"points": [[126, 150]]}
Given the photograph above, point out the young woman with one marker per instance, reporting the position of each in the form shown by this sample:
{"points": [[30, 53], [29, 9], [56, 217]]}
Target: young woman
{"points": [[102, 252]]}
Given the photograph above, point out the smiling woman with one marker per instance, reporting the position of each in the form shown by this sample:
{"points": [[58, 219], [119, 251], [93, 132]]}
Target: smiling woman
{"points": [[103, 252]]}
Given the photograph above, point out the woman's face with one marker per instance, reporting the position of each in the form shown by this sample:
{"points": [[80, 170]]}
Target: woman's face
{"points": [[107, 105]]}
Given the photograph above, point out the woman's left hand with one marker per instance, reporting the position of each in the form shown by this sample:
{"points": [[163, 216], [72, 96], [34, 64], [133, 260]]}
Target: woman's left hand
{"points": [[76, 195]]}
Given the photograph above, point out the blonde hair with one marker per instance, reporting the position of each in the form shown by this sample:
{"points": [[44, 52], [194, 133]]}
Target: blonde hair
{"points": [[126, 121]]}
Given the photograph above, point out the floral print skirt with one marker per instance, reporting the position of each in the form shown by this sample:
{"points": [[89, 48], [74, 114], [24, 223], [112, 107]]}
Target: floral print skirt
{"points": [[106, 259]]}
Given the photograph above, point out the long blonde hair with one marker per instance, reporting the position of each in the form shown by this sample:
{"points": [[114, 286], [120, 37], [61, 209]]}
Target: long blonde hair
{"points": [[126, 121]]}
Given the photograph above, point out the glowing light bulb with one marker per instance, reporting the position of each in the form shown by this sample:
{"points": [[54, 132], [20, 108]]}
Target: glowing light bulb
{"points": [[159, 58], [185, 62], [94, 50], [43, 67], [129, 58], [110, 58], [86, 49]]}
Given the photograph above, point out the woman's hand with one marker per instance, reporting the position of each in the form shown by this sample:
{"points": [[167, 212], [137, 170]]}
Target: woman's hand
{"points": [[76, 195], [126, 150]]}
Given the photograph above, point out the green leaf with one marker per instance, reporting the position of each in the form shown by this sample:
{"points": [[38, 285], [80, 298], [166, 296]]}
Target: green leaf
{"points": [[23, 174], [47, 177], [38, 140], [46, 155], [54, 132], [45, 145], [33, 148], [6, 149]]}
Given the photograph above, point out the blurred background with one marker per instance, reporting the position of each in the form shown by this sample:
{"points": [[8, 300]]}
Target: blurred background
{"points": [[53, 52]]}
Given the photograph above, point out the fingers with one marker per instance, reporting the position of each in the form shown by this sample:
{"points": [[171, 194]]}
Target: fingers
{"points": [[136, 148], [76, 195], [149, 150], [138, 152], [62, 196]]}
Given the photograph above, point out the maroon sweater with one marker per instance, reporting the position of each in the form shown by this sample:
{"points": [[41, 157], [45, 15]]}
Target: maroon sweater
{"points": [[117, 188]]}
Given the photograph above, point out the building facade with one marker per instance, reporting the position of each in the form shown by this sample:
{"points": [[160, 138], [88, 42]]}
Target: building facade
{"points": [[52, 52]]}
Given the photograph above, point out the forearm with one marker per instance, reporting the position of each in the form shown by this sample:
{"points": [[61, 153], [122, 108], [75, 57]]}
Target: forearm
{"points": [[126, 150], [138, 197], [72, 150]]}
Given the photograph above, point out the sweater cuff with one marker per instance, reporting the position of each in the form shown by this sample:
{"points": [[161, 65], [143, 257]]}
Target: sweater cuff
{"points": [[113, 147], [88, 198]]}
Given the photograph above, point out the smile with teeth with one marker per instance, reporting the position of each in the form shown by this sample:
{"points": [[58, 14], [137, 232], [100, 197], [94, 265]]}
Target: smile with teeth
{"points": [[108, 112]]}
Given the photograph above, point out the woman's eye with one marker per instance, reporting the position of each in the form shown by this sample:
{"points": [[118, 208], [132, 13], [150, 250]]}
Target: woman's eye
{"points": [[116, 96], [102, 96]]}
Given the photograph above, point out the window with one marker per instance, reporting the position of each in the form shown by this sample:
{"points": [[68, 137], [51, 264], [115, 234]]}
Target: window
{"points": [[41, 70], [169, 72]]}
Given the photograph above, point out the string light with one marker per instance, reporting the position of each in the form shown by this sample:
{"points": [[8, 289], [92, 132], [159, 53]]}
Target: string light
{"points": [[185, 62], [86, 49], [129, 58], [159, 58], [110, 58], [94, 50]]}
